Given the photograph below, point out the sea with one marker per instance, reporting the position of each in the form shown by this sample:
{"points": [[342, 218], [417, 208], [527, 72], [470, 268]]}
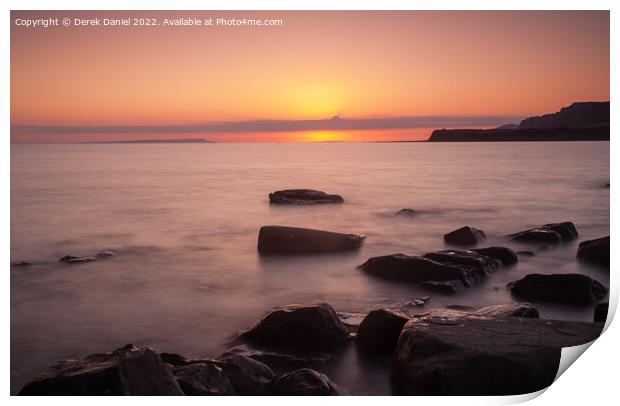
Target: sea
{"points": [[183, 221]]}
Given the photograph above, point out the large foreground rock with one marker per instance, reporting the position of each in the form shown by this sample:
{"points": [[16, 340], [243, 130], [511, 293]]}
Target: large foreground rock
{"points": [[302, 196], [465, 236], [299, 326], [563, 288], [447, 271], [600, 312], [303, 382], [294, 240], [451, 353], [378, 333], [549, 233], [127, 371], [596, 251]]}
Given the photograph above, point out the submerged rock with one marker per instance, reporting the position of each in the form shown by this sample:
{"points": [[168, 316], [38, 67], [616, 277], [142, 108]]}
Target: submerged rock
{"points": [[509, 310], [105, 254], [303, 382], [299, 326], [465, 236], [247, 376], [294, 240], [303, 196], [21, 263], [127, 371], [70, 259], [447, 271], [526, 253], [596, 251], [549, 233], [407, 212], [378, 333], [203, 379], [563, 288], [451, 353], [600, 312]]}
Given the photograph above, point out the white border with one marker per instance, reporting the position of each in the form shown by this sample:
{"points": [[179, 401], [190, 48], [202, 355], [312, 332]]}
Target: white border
{"points": [[591, 381]]}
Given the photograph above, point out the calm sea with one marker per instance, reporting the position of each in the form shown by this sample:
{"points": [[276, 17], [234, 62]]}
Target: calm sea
{"points": [[184, 221]]}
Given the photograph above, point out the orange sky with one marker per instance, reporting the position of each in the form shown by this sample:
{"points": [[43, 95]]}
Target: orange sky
{"points": [[317, 65]]}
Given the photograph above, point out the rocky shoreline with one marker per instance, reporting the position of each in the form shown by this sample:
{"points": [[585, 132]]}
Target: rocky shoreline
{"points": [[501, 349]]}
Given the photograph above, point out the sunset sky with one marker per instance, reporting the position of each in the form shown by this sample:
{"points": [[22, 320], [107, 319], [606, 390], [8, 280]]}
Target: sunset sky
{"points": [[437, 69]]}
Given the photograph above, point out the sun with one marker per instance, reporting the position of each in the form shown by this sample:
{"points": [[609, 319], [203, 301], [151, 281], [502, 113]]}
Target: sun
{"points": [[322, 136]]}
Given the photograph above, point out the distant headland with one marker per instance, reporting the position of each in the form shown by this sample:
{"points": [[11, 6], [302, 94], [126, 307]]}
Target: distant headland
{"points": [[583, 121], [155, 141]]}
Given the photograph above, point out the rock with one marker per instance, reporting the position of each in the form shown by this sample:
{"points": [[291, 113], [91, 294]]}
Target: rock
{"points": [[406, 212], [596, 251], [293, 240], [299, 326], [378, 333], [563, 288], [70, 259], [461, 308], [174, 359], [284, 361], [302, 196], [549, 233], [526, 253], [247, 376], [105, 254], [127, 371], [203, 379], [600, 312], [21, 263], [509, 310], [451, 353], [303, 382], [503, 254], [465, 236], [447, 271]]}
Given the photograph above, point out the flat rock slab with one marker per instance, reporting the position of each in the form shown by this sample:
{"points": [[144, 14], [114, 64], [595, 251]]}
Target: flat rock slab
{"points": [[562, 288], [127, 371], [451, 353], [299, 326], [447, 271], [303, 196], [281, 240]]}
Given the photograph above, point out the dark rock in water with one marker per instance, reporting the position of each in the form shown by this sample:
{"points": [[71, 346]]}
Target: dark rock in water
{"points": [[549, 233], [451, 353], [127, 371], [406, 212], [105, 254], [174, 359], [21, 263], [203, 379], [70, 259], [509, 310], [600, 312], [299, 326], [445, 271], [505, 255], [303, 382], [596, 251], [526, 253], [248, 376], [461, 308], [563, 288], [378, 333], [465, 236], [302, 196], [293, 240], [281, 360], [567, 230]]}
